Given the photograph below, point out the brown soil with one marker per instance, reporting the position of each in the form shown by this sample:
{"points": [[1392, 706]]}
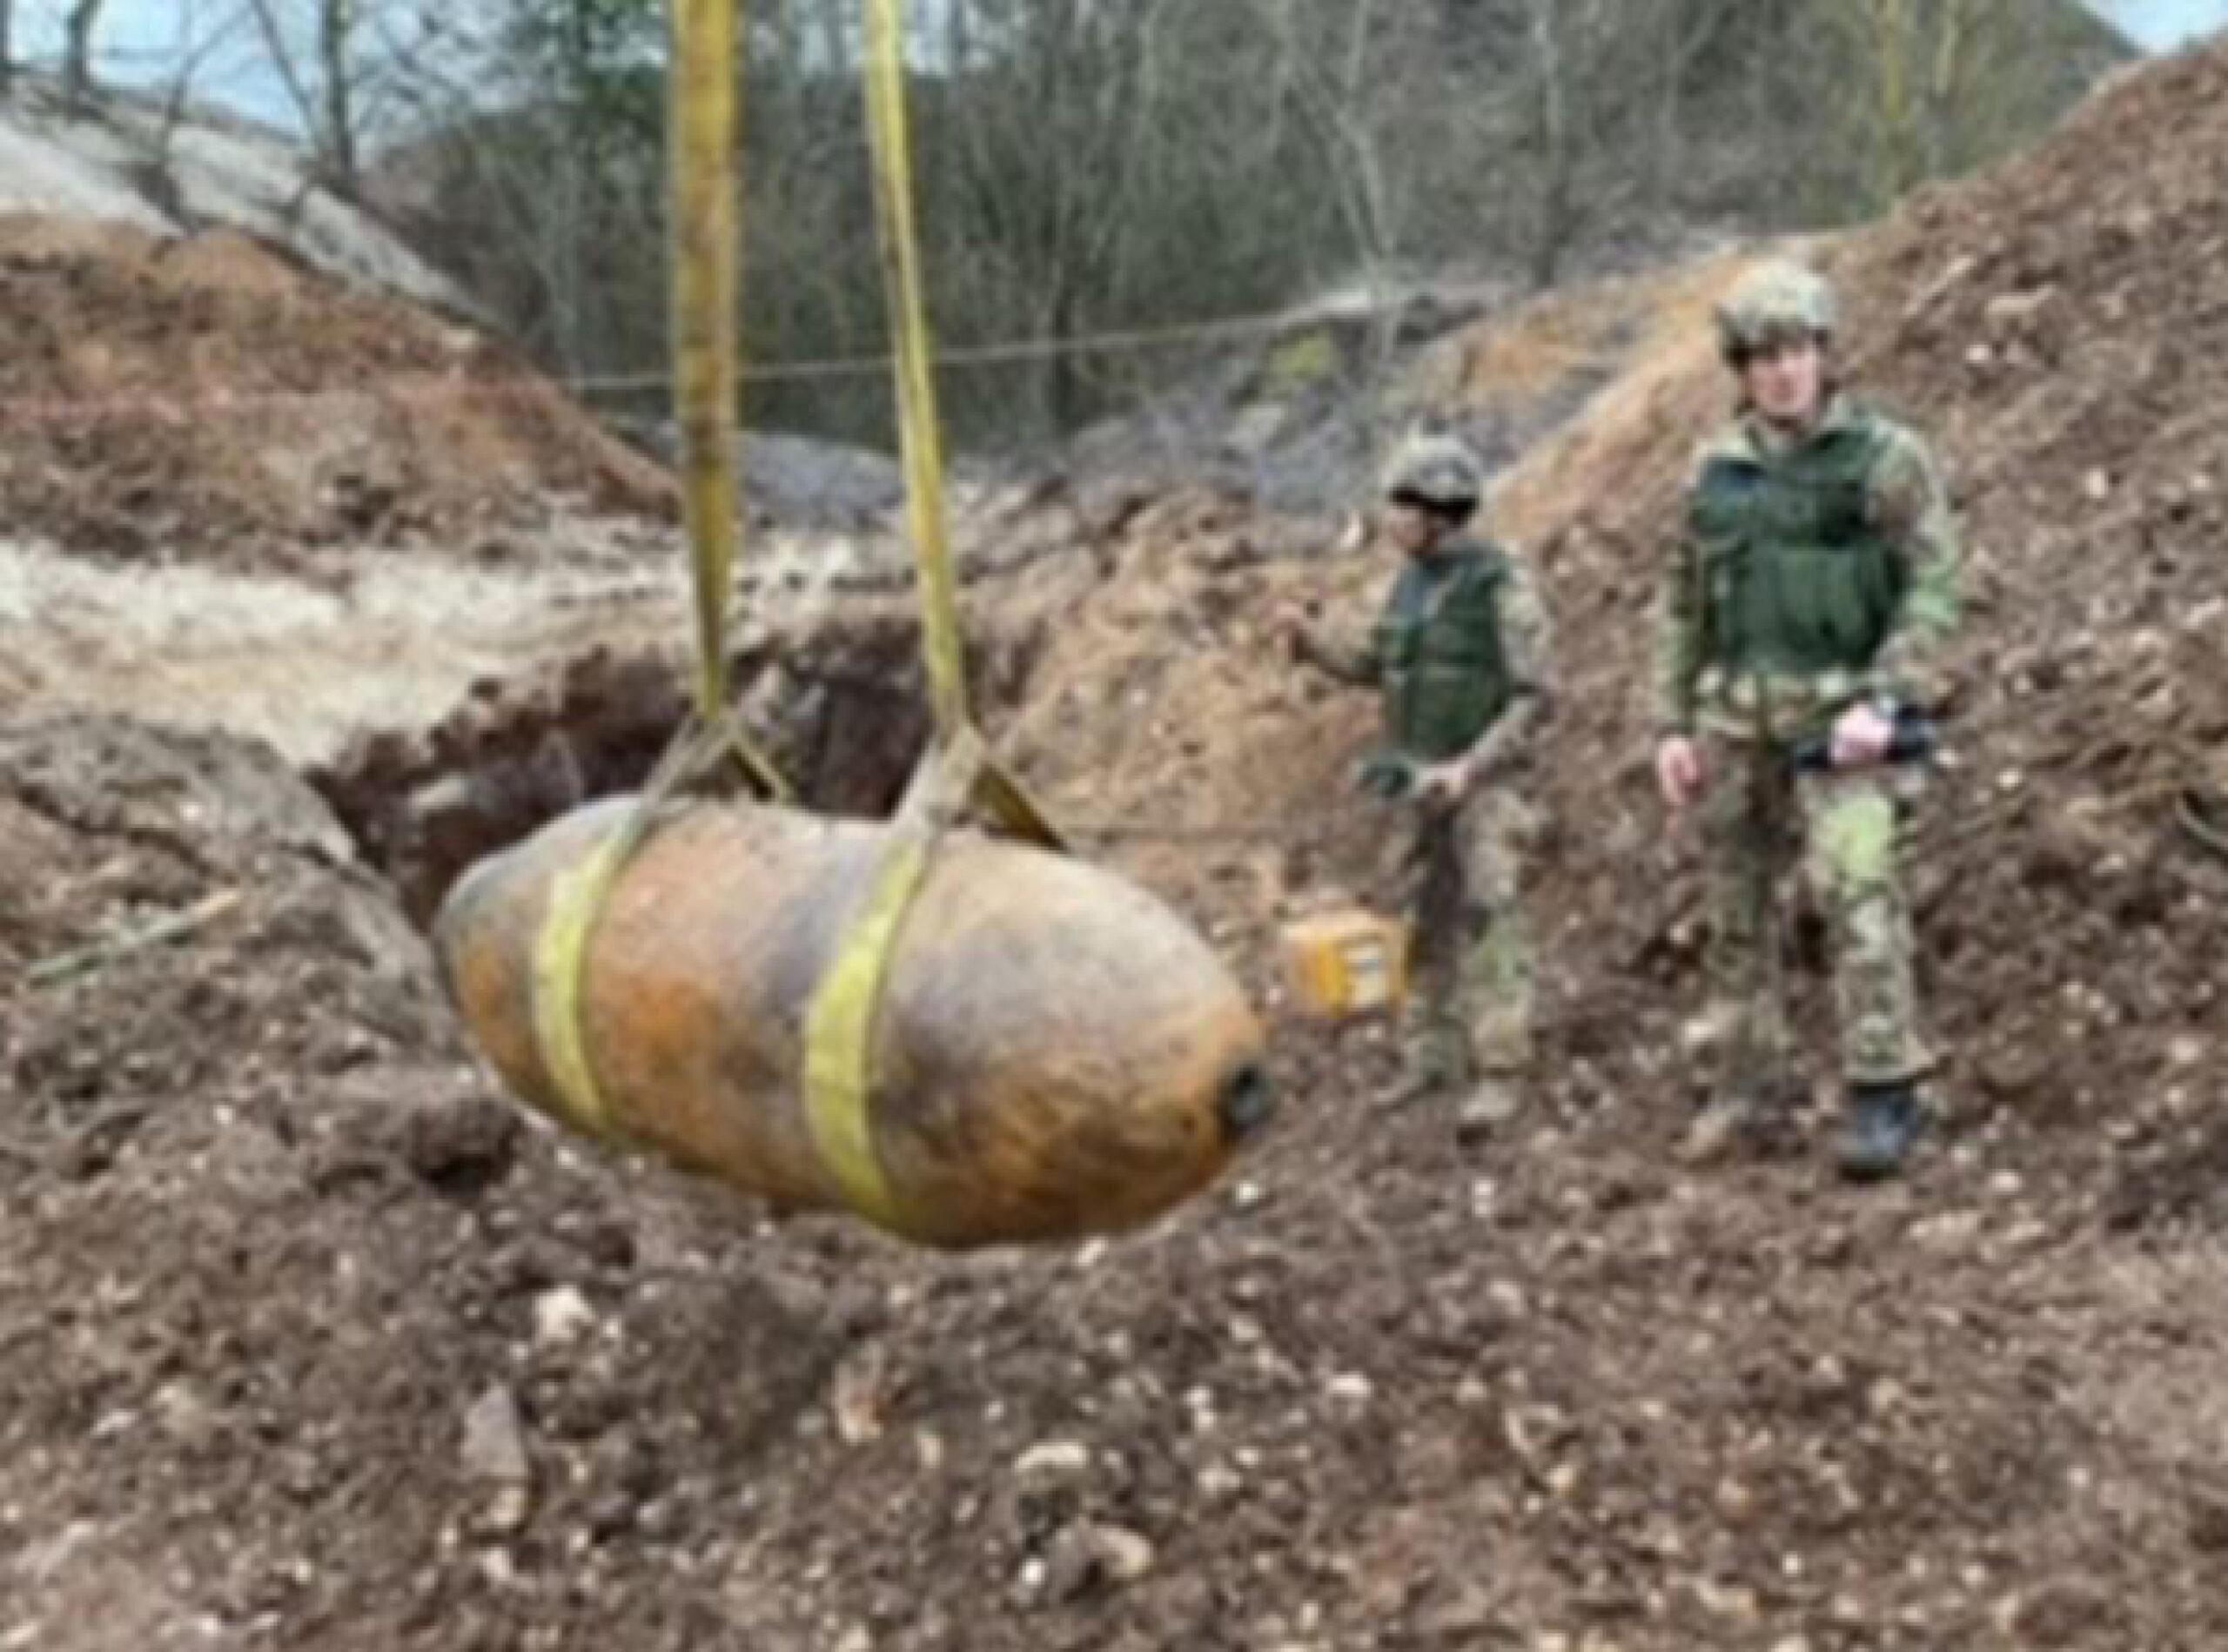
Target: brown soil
{"points": [[271, 1236], [211, 401]]}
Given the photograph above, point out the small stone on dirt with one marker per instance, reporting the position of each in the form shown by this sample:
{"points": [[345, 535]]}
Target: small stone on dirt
{"points": [[858, 1398], [1055, 1462], [495, 1455], [1089, 1556], [494, 1438], [1350, 1390], [561, 1317], [1484, 1111]]}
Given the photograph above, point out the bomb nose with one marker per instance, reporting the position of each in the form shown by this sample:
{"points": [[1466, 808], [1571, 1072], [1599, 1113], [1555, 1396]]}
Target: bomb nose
{"points": [[1248, 1102]]}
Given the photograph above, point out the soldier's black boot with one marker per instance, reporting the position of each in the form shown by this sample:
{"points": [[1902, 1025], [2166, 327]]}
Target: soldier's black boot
{"points": [[1882, 1123]]}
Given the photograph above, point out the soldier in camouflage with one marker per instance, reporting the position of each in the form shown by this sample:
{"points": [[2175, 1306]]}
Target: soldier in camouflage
{"points": [[1459, 657], [1805, 607]]}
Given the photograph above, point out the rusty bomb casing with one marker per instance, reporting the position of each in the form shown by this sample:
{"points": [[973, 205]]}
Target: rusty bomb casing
{"points": [[1055, 1052]]}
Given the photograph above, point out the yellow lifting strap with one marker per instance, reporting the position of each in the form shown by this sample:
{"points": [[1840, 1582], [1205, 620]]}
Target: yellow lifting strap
{"points": [[920, 433], [920, 430], [576, 901], [705, 214], [560, 958], [706, 284], [958, 771], [839, 1036], [705, 207]]}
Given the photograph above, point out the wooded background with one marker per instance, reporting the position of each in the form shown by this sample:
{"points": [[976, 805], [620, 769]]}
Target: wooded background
{"points": [[1089, 167]]}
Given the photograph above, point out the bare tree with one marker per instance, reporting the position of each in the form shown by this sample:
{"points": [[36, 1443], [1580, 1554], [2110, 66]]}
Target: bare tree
{"points": [[1934, 86], [1096, 166], [1335, 95], [1557, 159], [1687, 34], [77, 54], [1591, 74], [325, 82], [281, 55], [1891, 51], [1973, 75], [7, 46], [336, 25], [197, 41], [536, 168]]}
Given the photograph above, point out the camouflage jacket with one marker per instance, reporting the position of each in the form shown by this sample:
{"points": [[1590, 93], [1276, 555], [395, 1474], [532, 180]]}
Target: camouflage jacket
{"points": [[1899, 508], [1516, 650]]}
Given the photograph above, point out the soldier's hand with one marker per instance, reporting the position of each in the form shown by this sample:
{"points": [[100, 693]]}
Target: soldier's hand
{"points": [[1861, 737], [1444, 784], [1679, 772]]}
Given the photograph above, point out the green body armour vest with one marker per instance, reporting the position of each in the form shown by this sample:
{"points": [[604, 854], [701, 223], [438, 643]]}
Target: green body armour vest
{"points": [[1438, 645], [1797, 579]]}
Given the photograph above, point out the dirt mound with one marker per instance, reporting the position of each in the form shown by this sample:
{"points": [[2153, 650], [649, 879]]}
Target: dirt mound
{"points": [[110, 155], [274, 1244], [208, 400], [311, 1341]]}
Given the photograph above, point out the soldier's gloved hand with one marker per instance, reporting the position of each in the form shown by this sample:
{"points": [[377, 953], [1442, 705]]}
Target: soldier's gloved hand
{"points": [[1679, 773], [1387, 776], [1861, 737], [1444, 784]]}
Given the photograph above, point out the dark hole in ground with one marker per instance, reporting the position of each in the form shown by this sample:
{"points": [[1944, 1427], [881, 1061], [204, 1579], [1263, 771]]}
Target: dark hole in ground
{"points": [[844, 713]]}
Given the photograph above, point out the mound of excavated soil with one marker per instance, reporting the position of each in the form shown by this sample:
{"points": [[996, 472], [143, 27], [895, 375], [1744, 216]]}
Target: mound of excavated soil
{"points": [[272, 1241], [308, 1343], [208, 400]]}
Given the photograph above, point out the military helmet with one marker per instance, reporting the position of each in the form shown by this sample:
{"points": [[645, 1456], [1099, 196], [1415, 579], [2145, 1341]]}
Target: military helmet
{"points": [[1774, 300], [1438, 471]]}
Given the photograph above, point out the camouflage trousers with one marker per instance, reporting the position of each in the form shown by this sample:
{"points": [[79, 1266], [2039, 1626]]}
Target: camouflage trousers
{"points": [[1843, 828], [1470, 1001]]}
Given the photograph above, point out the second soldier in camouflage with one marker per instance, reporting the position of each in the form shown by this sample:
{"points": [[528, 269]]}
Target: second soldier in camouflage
{"points": [[1459, 657]]}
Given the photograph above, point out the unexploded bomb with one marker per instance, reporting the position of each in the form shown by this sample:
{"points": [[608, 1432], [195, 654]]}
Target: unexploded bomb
{"points": [[1055, 1052]]}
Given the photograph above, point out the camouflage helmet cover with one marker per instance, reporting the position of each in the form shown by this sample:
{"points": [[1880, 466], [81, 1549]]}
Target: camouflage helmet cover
{"points": [[1774, 300], [1438, 471]]}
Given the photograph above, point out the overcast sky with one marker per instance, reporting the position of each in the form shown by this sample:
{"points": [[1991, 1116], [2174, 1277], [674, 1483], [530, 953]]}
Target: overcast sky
{"points": [[2163, 24], [143, 39]]}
